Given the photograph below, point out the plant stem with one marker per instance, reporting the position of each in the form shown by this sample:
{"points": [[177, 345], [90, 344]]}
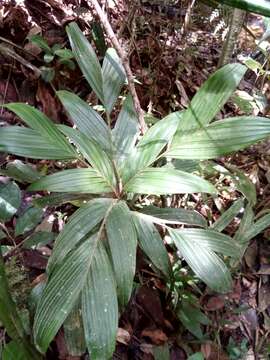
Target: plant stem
{"points": [[124, 58]]}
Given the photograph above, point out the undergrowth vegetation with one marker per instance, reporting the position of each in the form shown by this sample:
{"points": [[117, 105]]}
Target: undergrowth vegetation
{"points": [[110, 168]]}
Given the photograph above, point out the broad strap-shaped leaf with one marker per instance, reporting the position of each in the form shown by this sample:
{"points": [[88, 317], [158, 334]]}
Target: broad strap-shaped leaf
{"points": [[123, 242], [42, 124], [91, 151], [125, 132], [86, 58], [246, 224], [259, 226], [83, 180], [113, 76], [204, 262], [150, 145], [212, 240], [78, 226], [87, 120], [227, 217], [62, 292], [151, 243], [161, 181], [220, 138], [29, 143], [211, 97], [257, 6], [174, 216], [21, 172], [100, 307]]}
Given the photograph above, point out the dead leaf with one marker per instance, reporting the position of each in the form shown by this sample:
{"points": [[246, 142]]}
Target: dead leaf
{"points": [[214, 303], [212, 352], [123, 336], [50, 105], [157, 336], [264, 297]]}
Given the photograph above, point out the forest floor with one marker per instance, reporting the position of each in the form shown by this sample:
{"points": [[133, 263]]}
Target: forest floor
{"points": [[169, 67]]}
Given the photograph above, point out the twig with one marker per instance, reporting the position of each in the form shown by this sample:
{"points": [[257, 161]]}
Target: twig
{"points": [[123, 56]]}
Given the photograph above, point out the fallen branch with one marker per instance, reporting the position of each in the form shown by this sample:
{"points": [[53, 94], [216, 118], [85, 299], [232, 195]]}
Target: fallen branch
{"points": [[124, 58]]}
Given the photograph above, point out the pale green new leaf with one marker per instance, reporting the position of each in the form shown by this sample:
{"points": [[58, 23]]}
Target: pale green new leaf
{"points": [[211, 97], [220, 138], [92, 152], [29, 143], [161, 181], [151, 243], [78, 226], [61, 293], [86, 58], [113, 76], [204, 262], [100, 307], [83, 180], [227, 217], [87, 120], [42, 124], [174, 216], [125, 132], [123, 242], [150, 145]]}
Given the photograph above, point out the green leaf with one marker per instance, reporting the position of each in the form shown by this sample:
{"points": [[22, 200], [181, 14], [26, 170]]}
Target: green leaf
{"points": [[48, 58], [60, 199], [86, 58], [245, 225], [94, 154], [161, 181], [39, 238], [259, 226], [211, 240], [151, 243], [244, 185], [29, 143], [40, 123], [64, 54], [203, 261], [99, 307], [74, 332], [150, 145], [257, 6], [211, 97], [61, 293], [88, 121], [113, 76], [174, 216], [21, 172], [28, 220], [227, 217], [125, 132], [14, 351], [161, 352], [83, 180], [99, 38], [78, 226], [40, 42], [123, 242], [220, 138], [10, 200], [192, 318], [196, 356]]}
